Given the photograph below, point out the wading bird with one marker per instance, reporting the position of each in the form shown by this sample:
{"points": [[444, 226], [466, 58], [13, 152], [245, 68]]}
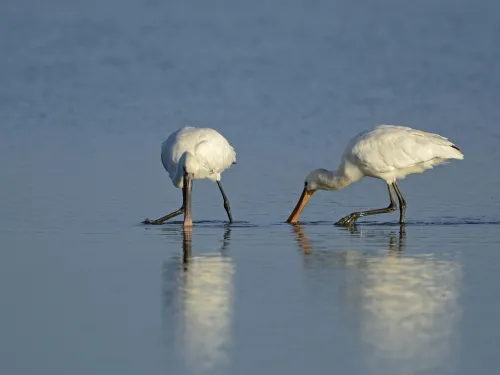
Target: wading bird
{"points": [[387, 152], [193, 154]]}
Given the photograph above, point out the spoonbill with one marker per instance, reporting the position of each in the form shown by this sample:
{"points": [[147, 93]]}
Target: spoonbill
{"points": [[192, 154], [387, 152]]}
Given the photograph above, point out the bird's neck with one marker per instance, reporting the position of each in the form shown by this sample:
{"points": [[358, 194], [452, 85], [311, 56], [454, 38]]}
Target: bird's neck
{"points": [[345, 175], [187, 163]]}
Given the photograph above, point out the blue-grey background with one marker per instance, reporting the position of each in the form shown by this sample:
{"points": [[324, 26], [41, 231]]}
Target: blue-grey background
{"points": [[90, 89]]}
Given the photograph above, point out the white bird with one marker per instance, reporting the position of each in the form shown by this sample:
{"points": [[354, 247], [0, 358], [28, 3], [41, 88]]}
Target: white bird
{"points": [[387, 152], [193, 154]]}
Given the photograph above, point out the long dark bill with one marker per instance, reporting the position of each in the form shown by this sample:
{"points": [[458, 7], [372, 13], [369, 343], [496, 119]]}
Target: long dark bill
{"points": [[297, 211], [186, 192]]}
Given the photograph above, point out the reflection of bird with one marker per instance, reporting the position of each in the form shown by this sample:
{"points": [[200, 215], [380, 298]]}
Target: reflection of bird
{"points": [[192, 154], [302, 239], [395, 247], [187, 242], [198, 297], [386, 152], [396, 243], [406, 306], [409, 312]]}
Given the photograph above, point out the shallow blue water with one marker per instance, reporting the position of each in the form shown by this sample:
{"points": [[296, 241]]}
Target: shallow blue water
{"points": [[374, 299], [89, 90]]}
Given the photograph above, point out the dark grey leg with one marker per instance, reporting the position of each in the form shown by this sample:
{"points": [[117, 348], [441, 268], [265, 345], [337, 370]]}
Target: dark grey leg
{"points": [[180, 211], [185, 188], [161, 220], [351, 219], [226, 202], [402, 203]]}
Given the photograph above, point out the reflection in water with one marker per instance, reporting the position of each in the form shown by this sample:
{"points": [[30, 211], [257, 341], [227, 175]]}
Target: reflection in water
{"points": [[407, 306], [198, 292], [396, 243]]}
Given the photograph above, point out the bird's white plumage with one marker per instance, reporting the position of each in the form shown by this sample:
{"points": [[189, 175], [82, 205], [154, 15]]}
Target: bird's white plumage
{"points": [[204, 150], [392, 152]]}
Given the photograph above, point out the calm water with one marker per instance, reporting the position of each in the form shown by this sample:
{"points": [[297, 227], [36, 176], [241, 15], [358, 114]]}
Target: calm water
{"points": [[88, 90]]}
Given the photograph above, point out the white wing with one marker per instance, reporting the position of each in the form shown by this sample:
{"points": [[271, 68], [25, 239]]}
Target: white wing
{"points": [[215, 154], [212, 150], [389, 148]]}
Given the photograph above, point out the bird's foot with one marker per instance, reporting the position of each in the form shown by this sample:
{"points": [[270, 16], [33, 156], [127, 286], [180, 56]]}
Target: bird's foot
{"points": [[151, 222], [348, 220]]}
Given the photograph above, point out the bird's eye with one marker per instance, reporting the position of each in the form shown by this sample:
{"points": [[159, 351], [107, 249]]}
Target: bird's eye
{"points": [[305, 184]]}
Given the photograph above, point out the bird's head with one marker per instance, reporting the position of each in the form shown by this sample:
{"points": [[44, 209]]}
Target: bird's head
{"points": [[317, 179]]}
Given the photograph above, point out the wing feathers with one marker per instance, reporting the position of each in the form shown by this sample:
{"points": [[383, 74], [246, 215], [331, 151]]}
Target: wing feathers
{"points": [[388, 148]]}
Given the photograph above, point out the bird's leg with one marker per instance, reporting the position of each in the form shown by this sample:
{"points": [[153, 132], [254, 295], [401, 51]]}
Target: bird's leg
{"points": [[180, 211], [161, 220], [402, 203], [351, 219], [226, 202]]}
